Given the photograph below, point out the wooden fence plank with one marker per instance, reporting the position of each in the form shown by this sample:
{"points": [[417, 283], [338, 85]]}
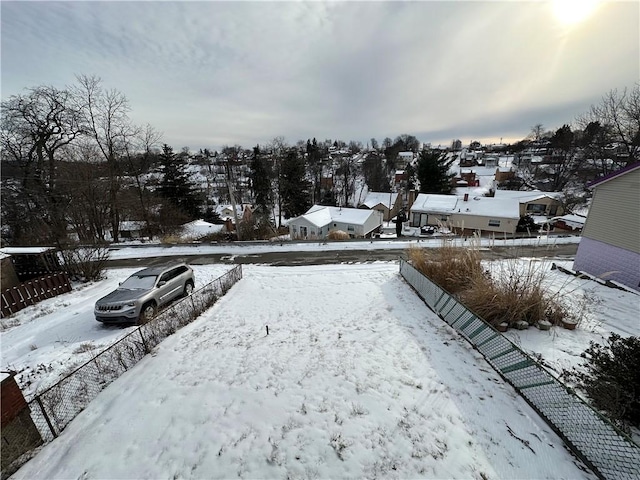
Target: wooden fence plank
{"points": [[33, 291]]}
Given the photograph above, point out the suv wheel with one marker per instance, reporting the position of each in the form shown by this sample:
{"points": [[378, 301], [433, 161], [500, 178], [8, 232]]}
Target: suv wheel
{"points": [[147, 313], [188, 289]]}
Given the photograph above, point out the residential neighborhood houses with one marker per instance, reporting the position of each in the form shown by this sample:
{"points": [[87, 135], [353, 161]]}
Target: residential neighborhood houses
{"points": [[389, 204], [479, 202], [320, 220]]}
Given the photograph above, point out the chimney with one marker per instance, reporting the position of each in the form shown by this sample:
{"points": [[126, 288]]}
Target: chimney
{"points": [[466, 197], [412, 198]]}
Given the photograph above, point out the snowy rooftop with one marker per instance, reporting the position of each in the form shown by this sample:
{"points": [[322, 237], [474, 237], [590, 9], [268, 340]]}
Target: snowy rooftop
{"points": [[475, 205], [27, 250], [435, 203], [572, 220], [526, 196], [321, 215], [377, 198]]}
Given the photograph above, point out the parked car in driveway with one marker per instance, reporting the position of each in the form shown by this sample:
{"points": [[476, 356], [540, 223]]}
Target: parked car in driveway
{"points": [[139, 297]]}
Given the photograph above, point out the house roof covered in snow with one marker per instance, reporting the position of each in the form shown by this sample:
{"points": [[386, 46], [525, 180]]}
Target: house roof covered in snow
{"points": [[475, 205], [426, 202], [377, 198], [26, 250], [571, 220], [527, 196], [321, 215]]}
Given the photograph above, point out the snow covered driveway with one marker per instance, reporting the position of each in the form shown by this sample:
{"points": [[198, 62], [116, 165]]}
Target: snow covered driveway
{"points": [[357, 378], [46, 341]]}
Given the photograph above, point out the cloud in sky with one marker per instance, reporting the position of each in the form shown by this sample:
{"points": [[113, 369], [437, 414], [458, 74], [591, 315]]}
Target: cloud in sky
{"points": [[208, 74]]}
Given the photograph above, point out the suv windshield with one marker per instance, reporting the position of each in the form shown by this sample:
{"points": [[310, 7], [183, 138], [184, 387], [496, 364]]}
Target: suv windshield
{"points": [[142, 283]]}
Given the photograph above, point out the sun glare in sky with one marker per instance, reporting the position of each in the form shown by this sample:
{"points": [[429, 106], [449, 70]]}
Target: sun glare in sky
{"points": [[570, 12]]}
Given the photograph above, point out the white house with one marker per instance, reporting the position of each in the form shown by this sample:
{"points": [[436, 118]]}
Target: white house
{"points": [[466, 213], [404, 159], [319, 220]]}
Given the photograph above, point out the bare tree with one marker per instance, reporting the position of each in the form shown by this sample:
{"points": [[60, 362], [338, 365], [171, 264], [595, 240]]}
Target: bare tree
{"points": [[279, 149], [537, 132], [138, 155], [106, 115], [619, 113], [87, 191], [35, 129]]}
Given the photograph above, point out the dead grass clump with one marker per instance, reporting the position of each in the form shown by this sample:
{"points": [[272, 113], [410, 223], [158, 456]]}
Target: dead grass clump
{"points": [[171, 239], [510, 292], [338, 235], [513, 292], [450, 267]]}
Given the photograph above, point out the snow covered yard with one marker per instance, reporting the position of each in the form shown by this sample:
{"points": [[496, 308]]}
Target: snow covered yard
{"points": [[603, 310], [357, 378], [43, 342]]}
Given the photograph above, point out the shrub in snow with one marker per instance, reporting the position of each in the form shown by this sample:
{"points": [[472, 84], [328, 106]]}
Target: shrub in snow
{"points": [[85, 264], [611, 378], [338, 235]]}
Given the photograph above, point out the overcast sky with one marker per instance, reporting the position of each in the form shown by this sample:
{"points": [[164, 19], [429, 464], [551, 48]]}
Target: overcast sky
{"points": [[208, 74]]}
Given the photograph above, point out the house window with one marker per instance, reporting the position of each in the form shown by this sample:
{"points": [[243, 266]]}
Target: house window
{"points": [[443, 218], [536, 208], [494, 223], [351, 228]]}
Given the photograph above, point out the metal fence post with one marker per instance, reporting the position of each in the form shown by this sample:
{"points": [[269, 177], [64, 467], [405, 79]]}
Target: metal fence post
{"points": [[46, 417]]}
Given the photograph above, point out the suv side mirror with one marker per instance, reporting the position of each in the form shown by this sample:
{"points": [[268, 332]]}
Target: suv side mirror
{"points": [[161, 283]]}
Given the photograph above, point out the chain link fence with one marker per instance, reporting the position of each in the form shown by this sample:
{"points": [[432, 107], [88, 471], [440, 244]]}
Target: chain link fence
{"points": [[54, 408], [606, 450]]}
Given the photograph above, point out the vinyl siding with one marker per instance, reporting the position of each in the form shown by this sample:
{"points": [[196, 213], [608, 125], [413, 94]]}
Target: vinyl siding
{"points": [[477, 222], [614, 215], [607, 262]]}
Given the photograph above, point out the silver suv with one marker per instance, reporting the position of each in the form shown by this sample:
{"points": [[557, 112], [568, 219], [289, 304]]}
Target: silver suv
{"points": [[139, 297]]}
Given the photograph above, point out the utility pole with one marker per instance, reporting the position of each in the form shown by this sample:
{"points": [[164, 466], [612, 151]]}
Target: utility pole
{"points": [[232, 197]]}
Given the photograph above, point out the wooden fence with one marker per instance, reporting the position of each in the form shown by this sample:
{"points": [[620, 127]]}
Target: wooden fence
{"points": [[33, 291]]}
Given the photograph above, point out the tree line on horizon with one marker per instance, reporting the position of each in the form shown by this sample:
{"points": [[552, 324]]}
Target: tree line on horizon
{"points": [[73, 161]]}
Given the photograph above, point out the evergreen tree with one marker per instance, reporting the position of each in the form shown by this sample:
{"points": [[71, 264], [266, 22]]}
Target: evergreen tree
{"points": [[261, 181], [433, 172], [176, 186], [374, 174], [294, 188], [411, 177], [314, 161]]}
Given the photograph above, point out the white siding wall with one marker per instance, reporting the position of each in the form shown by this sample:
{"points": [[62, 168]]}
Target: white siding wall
{"points": [[312, 231]]}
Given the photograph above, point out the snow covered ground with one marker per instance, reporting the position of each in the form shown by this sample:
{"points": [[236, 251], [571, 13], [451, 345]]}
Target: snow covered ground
{"points": [[602, 309], [357, 378], [45, 341]]}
